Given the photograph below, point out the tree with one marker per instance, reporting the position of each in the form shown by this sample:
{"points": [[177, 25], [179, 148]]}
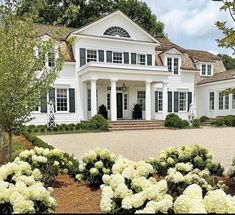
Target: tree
{"points": [[24, 78], [229, 32], [76, 13], [228, 61]]}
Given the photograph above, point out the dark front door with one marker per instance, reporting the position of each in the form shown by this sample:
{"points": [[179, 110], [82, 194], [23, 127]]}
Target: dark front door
{"points": [[119, 106]]}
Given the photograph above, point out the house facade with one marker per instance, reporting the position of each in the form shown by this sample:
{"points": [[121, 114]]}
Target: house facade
{"points": [[115, 63]]}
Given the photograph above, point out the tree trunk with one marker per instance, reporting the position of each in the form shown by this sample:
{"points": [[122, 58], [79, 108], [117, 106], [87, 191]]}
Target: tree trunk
{"points": [[10, 147], [2, 146]]}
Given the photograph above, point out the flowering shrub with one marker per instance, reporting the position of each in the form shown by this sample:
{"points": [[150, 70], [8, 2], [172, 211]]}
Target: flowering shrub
{"points": [[197, 155], [231, 172], [131, 189], [95, 164], [21, 190], [49, 162], [183, 175], [192, 202]]}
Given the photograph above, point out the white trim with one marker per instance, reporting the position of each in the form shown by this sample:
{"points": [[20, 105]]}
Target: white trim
{"points": [[56, 110]]}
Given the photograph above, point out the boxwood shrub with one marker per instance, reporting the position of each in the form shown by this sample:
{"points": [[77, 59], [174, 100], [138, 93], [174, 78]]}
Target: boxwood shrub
{"points": [[229, 120], [174, 121], [196, 123], [219, 122], [204, 119]]}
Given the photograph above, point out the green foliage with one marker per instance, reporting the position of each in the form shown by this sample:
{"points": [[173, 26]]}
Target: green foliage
{"points": [[98, 122], [228, 61], [76, 13], [219, 122], [231, 171], [229, 120], [197, 155], [196, 123], [204, 119], [174, 121]]}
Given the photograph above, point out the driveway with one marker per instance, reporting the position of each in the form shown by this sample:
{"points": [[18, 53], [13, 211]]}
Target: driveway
{"points": [[138, 145]]}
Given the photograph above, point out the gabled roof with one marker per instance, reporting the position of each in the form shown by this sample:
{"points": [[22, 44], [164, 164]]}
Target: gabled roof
{"points": [[220, 76], [203, 56]]}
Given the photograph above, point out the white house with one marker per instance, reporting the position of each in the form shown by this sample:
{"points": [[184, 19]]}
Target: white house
{"points": [[114, 62]]}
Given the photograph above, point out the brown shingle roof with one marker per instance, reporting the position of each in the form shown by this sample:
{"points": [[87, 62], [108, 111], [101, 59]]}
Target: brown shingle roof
{"points": [[66, 51], [220, 76], [202, 55], [166, 45]]}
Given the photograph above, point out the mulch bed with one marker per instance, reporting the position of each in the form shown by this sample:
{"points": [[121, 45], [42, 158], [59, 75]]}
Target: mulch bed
{"points": [[73, 197]]}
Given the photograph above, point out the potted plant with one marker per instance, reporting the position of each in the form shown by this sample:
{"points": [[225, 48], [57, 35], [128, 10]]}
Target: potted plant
{"points": [[137, 112], [103, 111]]}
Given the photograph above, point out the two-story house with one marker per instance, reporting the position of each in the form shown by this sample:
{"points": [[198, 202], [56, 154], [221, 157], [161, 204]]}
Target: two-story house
{"points": [[114, 62]]}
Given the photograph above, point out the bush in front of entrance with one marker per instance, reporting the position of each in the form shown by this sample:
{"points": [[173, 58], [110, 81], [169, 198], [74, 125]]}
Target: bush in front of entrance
{"points": [[94, 165], [103, 111], [219, 122], [137, 112], [229, 120], [174, 121], [197, 155], [204, 119], [196, 123], [98, 122]]}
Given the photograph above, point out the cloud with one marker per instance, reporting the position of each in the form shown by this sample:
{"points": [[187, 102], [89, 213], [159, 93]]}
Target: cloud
{"points": [[214, 52]]}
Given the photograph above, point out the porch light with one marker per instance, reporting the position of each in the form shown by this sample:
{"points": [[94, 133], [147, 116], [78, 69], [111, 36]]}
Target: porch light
{"points": [[124, 88]]}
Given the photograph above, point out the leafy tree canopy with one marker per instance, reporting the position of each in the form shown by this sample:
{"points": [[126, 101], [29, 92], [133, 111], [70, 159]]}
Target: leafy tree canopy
{"points": [[76, 13], [228, 61]]}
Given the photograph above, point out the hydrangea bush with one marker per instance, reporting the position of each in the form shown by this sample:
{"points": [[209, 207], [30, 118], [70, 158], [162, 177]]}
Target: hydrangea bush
{"points": [[231, 171], [21, 190], [132, 189], [192, 202], [94, 165], [49, 162], [183, 175], [197, 155]]}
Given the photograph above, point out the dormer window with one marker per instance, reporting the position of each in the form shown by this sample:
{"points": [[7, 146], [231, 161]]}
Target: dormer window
{"points": [[173, 65], [206, 70], [51, 58]]}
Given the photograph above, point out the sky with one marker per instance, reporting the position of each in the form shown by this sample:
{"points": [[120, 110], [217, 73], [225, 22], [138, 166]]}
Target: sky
{"points": [[191, 23]]}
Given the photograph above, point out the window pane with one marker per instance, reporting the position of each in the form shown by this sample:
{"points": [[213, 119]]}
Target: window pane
{"points": [[51, 58], [176, 65], [208, 69], [169, 64], [108, 101], [141, 99], [160, 101], [221, 101], [117, 57], [91, 55], [62, 100], [182, 101], [212, 101], [125, 102], [233, 101], [89, 100], [140, 59], [203, 69], [227, 102]]}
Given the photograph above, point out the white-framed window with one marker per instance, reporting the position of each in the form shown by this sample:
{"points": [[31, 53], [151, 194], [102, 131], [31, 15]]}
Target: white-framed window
{"points": [[91, 56], [221, 101], [125, 101], [117, 57], [233, 101], [61, 100], [182, 101], [226, 102], [51, 57], [141, 99], [140, 59], [173, 65], [108, 101], [212, 101], [160, 101], [206, 70]]}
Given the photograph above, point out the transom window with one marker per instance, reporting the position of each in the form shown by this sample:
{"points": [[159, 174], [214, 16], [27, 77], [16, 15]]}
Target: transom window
{"points": [[91, 56], [117, 57], [141, 99], [140, 59], [62, 100], [182, 101], [206, 70], [116, 31], [173, 65], [212, 101]]}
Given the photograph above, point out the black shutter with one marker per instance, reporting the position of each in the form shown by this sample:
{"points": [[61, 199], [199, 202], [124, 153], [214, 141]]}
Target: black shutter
{"points": [[169, 101], [189, 99], [101, 55], [126, 58], [109, 56], [72, 100], [133, 58], [149, 60], [176, 102], [52, 97], [156, 101], [44, 104], [82, 57]]}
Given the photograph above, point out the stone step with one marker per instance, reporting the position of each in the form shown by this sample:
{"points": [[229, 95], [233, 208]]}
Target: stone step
{"points": [[138, 128]]}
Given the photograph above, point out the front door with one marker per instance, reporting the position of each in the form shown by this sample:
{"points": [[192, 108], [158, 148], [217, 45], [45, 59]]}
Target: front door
{"points": [[119, 106]]}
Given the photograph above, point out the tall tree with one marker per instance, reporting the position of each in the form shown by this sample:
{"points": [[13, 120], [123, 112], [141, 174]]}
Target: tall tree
{"points": [[76, 13], [228, 61], [24, 78]]}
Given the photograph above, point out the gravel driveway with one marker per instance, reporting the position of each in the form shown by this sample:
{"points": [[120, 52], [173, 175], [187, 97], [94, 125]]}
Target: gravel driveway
{"points": [[138, 145]]}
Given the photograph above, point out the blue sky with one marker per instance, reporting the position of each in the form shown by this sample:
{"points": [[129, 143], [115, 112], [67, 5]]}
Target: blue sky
{"points": [[191, 23]]}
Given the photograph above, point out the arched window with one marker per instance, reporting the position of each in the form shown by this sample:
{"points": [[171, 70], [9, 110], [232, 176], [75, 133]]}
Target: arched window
{"points": [[117, 31]]}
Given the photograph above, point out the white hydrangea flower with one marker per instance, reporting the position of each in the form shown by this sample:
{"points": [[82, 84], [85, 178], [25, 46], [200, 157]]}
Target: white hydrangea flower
{"points": [[116, 180], [126, 203], [106, 204], [106, 179], [193, 191], [137, 200], [122, 191]]}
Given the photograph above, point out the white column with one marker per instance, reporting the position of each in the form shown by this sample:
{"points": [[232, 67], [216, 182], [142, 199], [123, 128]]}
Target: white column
{"points": [[93, 98], [113, 101], [216, 102], [165, 99], [147, 100], [84, 99]]}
